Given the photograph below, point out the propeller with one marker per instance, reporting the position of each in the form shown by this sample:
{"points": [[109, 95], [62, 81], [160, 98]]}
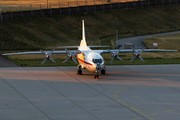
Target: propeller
{"points": [[70, 56], [137, 54], [47, 56], [114, 54]]}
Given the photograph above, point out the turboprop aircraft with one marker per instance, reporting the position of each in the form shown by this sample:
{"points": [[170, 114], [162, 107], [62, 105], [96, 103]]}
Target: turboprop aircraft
{"points": [[90, 59]]}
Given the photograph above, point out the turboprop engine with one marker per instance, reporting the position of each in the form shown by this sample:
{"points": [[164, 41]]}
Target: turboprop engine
{"points": [[115, 55], [137, 54], [47, 56], [70, 56]]}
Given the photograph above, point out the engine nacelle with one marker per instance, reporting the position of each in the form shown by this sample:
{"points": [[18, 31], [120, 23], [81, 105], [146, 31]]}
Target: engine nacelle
{"points": [[137, 55], [115, 56], [47, 57]]}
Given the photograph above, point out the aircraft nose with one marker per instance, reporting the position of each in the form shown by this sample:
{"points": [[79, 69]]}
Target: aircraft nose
{"points": [[98, 66]]}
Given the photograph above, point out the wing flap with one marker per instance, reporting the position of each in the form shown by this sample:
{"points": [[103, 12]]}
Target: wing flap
{"points": [[68, 47], [97, 46], [79, 46]]}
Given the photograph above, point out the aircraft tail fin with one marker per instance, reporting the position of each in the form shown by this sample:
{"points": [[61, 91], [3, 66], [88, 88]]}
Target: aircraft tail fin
{"points": [[83, 43]]}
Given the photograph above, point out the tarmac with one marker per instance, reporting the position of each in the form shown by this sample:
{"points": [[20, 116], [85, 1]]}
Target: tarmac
{"points": [[126, 92], [6, 63]]}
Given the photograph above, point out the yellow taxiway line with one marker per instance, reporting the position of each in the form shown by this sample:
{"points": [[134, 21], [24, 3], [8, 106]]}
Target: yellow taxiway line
{"points": [[129, 105]]}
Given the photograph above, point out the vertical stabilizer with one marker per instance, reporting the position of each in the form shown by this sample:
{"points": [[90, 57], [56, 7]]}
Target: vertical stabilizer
{"points": [[83, 41], [83, 31]]}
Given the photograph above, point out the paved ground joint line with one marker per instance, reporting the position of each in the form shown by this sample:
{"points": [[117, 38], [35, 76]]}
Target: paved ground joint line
{"points": [[75, 102], [137, 83], [62, 93], [166, 85], [134, 111], [128, 104], [152, 79], [1, 117], [25, 98], [161, 112]]}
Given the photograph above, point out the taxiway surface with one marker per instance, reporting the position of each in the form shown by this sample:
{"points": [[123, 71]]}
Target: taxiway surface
{"points": [[128, 92], [137, 41], [6, 63]]}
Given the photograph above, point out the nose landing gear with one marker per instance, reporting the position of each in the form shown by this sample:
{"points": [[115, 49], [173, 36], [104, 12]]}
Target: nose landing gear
{"points": [[96, 76]]}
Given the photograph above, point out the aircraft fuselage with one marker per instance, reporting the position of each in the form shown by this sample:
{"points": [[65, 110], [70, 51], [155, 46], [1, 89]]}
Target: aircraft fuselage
{"points": [[91, 61]]}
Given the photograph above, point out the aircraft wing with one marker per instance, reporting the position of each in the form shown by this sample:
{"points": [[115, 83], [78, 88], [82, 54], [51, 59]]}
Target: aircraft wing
{"points": [[159, 50], [130, 50], [99, 51], [39, 52]]}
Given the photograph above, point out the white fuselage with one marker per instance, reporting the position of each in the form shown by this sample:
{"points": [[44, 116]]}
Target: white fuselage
{"points": [[91, 60]]}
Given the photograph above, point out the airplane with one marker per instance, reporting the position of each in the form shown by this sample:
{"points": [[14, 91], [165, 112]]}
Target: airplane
{"points": [[90, 59]]}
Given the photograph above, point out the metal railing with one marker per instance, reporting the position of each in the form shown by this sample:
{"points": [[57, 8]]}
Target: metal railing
{"points": [[20, 11], [20, 6]]}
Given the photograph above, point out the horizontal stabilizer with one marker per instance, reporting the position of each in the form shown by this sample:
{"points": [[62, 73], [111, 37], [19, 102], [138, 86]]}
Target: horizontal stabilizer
{"points": [[97, 46], [79, 46], [68, 47]]}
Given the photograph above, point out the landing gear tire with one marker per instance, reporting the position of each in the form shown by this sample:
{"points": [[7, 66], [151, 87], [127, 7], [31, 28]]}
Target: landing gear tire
{"points": [[103, 71], [79, 72]]}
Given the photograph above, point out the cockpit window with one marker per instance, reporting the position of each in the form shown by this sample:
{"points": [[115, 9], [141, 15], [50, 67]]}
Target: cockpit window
{"points": [[97, 60]]}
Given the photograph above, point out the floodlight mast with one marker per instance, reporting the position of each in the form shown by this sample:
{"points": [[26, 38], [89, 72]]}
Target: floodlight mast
{"points": [[47, 4]]}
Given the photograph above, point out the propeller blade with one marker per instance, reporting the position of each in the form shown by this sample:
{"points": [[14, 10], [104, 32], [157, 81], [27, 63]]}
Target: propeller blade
{"points": [[119, 50], [66, 60], [133, 49], [52, 60], [120, 58], [51, 52], [141, 51], [43, 61], [70, 56], [75, 53], [141, 58], [67, 51], [43, 52], [115, 54], [111, 60], [133, 58], [74, 60]]}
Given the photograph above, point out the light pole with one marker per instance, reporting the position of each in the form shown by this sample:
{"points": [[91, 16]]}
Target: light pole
{"points": [[47, 4], [0, 14]]}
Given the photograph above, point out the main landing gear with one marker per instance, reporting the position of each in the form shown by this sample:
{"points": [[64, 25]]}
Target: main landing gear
{"points": [[79, 70], [96, 75], [103, 71]]}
